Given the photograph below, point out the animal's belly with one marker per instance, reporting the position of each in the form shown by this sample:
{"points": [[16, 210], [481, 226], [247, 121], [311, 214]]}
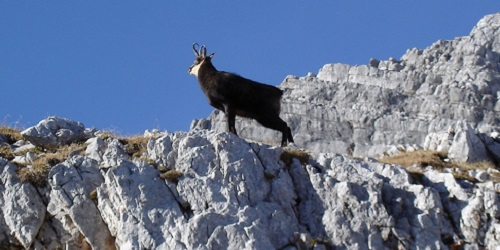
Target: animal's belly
{"points": [[242, 113]]}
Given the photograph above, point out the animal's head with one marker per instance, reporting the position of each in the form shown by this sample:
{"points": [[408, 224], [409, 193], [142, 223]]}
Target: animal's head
{"points": [[201, 58]]}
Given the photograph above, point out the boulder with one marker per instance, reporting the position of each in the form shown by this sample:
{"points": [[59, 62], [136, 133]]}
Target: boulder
{"points": [[95, 148], [492, 144], [466, 145], [439, 141], [72, 184], [462, 143], [114, 154], [54, 132], [139, 209], [160, 150], [238, 203], [22, 212]]}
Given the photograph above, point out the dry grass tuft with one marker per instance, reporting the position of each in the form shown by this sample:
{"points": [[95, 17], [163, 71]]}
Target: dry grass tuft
{"points": [[93, 195], [421, 158], [104, 135], [436, 160], [12, 135], [36, 173], [162, 169], [289, 154], [135, 146], [480, 165], [6, 152], [171, 175]]}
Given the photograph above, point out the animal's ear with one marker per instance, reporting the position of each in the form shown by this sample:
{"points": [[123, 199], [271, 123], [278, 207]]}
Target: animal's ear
{"points": [[211, 55]]}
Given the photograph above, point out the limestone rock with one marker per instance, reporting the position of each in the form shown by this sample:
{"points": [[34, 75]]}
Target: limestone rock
{"points": [[363, 110], [95, 148], [138, 208], [113, 155], [462, 143], [467, 146], [439, 141], [492, 144], [226, 192], [22, 212], [71, 185], [22, 146], [54, 131], [238, 203], [232, 194], [163, 150]]}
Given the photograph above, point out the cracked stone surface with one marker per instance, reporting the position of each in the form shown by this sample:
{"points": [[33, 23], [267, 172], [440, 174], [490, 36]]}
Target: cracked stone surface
{"points": [[234, 194], [54, 131], [22, 210], [231, 193], [71, 184], [364, 110]]}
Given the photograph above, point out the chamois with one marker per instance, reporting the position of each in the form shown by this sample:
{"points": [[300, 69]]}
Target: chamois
{"points": [[235, 95]]}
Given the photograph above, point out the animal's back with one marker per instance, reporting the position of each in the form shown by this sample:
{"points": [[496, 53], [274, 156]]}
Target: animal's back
{"points": [[250, 95]]}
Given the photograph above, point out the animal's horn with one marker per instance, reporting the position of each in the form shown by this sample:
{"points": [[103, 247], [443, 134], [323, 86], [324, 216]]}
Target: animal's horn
{"points": [[194, 49], [203, 50]]}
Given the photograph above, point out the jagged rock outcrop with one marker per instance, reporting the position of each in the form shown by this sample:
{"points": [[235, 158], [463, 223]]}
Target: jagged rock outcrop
{"points": [[53, 131], [206, 189], [462, 143], [72, 183], [22, 210], [232, 194], [364, 110]]}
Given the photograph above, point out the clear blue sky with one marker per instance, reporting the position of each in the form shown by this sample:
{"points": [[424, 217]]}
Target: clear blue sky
{"points": [[122, 65]]}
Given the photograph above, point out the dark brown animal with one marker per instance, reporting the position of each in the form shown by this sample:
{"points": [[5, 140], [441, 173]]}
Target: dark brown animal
{"points": [[235, 95]]}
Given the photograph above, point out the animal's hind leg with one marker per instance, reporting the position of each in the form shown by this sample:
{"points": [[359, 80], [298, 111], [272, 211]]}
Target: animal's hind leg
{"points": [[276, 123], [289, 134]]}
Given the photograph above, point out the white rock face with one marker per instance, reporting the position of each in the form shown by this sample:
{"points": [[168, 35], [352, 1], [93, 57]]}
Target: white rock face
{"points": [[224, 192], [95, 148], [462, 143], [55, 131], [71, 185], [233, 194], [467, 146], [364, 110], [22, 210], [138, 208]]}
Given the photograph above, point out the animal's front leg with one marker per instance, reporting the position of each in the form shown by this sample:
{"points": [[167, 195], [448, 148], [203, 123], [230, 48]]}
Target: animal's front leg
{"points": [[231, 119]]}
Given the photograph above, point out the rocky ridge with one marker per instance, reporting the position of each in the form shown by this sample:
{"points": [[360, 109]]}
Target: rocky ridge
{"points": [[206, 189], [365, 110], [209, 190]]}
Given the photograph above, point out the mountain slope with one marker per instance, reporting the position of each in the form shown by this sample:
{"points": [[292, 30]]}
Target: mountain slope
{"points": [[364, 110], [210, 190], [65, 186]]}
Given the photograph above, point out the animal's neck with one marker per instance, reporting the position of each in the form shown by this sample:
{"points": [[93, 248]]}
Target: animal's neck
{"points": [[207, 68], [206, 75]]}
